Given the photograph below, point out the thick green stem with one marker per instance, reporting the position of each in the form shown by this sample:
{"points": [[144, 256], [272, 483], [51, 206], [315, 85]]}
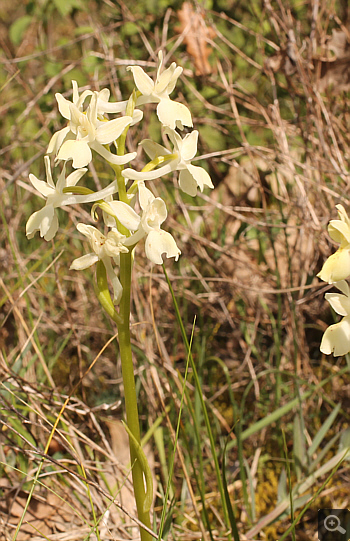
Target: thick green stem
{"points": [[140, 470], [132, 415]]}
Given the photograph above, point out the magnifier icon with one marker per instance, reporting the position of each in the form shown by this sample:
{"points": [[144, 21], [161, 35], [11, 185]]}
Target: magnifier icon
{"points": [[332, 524]]}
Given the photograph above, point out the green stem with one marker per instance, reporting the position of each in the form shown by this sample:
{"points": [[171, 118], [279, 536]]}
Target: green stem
{"points": [[132, 415], [141, 473]]}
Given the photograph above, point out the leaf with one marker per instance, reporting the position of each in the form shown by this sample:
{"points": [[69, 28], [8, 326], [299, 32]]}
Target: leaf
{"points": [[345, 442], [282, 491], [18, 28], [323, 431], [196, 36], [81, 30], [299, 450], [322, 454], [130, 29], [65, 7], [230, 510]]}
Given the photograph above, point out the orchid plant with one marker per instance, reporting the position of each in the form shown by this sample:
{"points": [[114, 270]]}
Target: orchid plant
{"points": [[130, 211], [336, 270]]}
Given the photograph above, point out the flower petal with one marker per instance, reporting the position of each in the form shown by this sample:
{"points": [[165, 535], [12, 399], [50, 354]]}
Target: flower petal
{"points": [[41, 186], [189, 146], [117, 287], [336, 338], [79, 151], [74, 177], [343, 286], [135, 238], [339, 231], [125, 214], [343, 214], [201, 176], [71, 199], [105, 107], [164, 79], [173, 114], [160, 64], [187, 183], [51, 232], [143, 82], [145, 195], [153, 150], [61, 181], [175, 138], [63, 106], [131, 174], [154, 215], [336, 267], [57, 140], [43, 220], [174, 78], [89, 231], [110, 131], [112, 158], [158, 243], [84, 262], [339, 303], [136, 117], [114, 244]]}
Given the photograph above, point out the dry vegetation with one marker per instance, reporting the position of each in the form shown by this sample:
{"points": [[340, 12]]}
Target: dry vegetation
{"points": [[272, 111]]}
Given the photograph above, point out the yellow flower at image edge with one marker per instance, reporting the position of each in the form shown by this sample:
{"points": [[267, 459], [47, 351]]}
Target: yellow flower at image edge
{"points": [[337, 266], [336, 338]]}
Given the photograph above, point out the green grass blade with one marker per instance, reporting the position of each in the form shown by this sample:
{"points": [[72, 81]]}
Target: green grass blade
{"points": [[318, 439], [204, 409], [172, 458], [299, 447], [274, 416], [230, 510]]}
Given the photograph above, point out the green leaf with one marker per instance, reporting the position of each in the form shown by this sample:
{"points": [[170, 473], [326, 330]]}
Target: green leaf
{"points": [[230, 510], [282, 492], [83, 30], [65, 7], [323, 431], [299, 450], [18, 28], [130, 29], [322, 454], [269, 419], [345, 442]]}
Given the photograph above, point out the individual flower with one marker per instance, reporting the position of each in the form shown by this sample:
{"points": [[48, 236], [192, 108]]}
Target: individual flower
{"points": [[154, 213], [170, 113], [45, 220], [337, 266], [336, 338], [89, 130], [104, 248], [191, 176]]}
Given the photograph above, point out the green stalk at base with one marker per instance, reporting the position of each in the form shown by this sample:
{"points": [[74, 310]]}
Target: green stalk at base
{"points": [[132, 416]]}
